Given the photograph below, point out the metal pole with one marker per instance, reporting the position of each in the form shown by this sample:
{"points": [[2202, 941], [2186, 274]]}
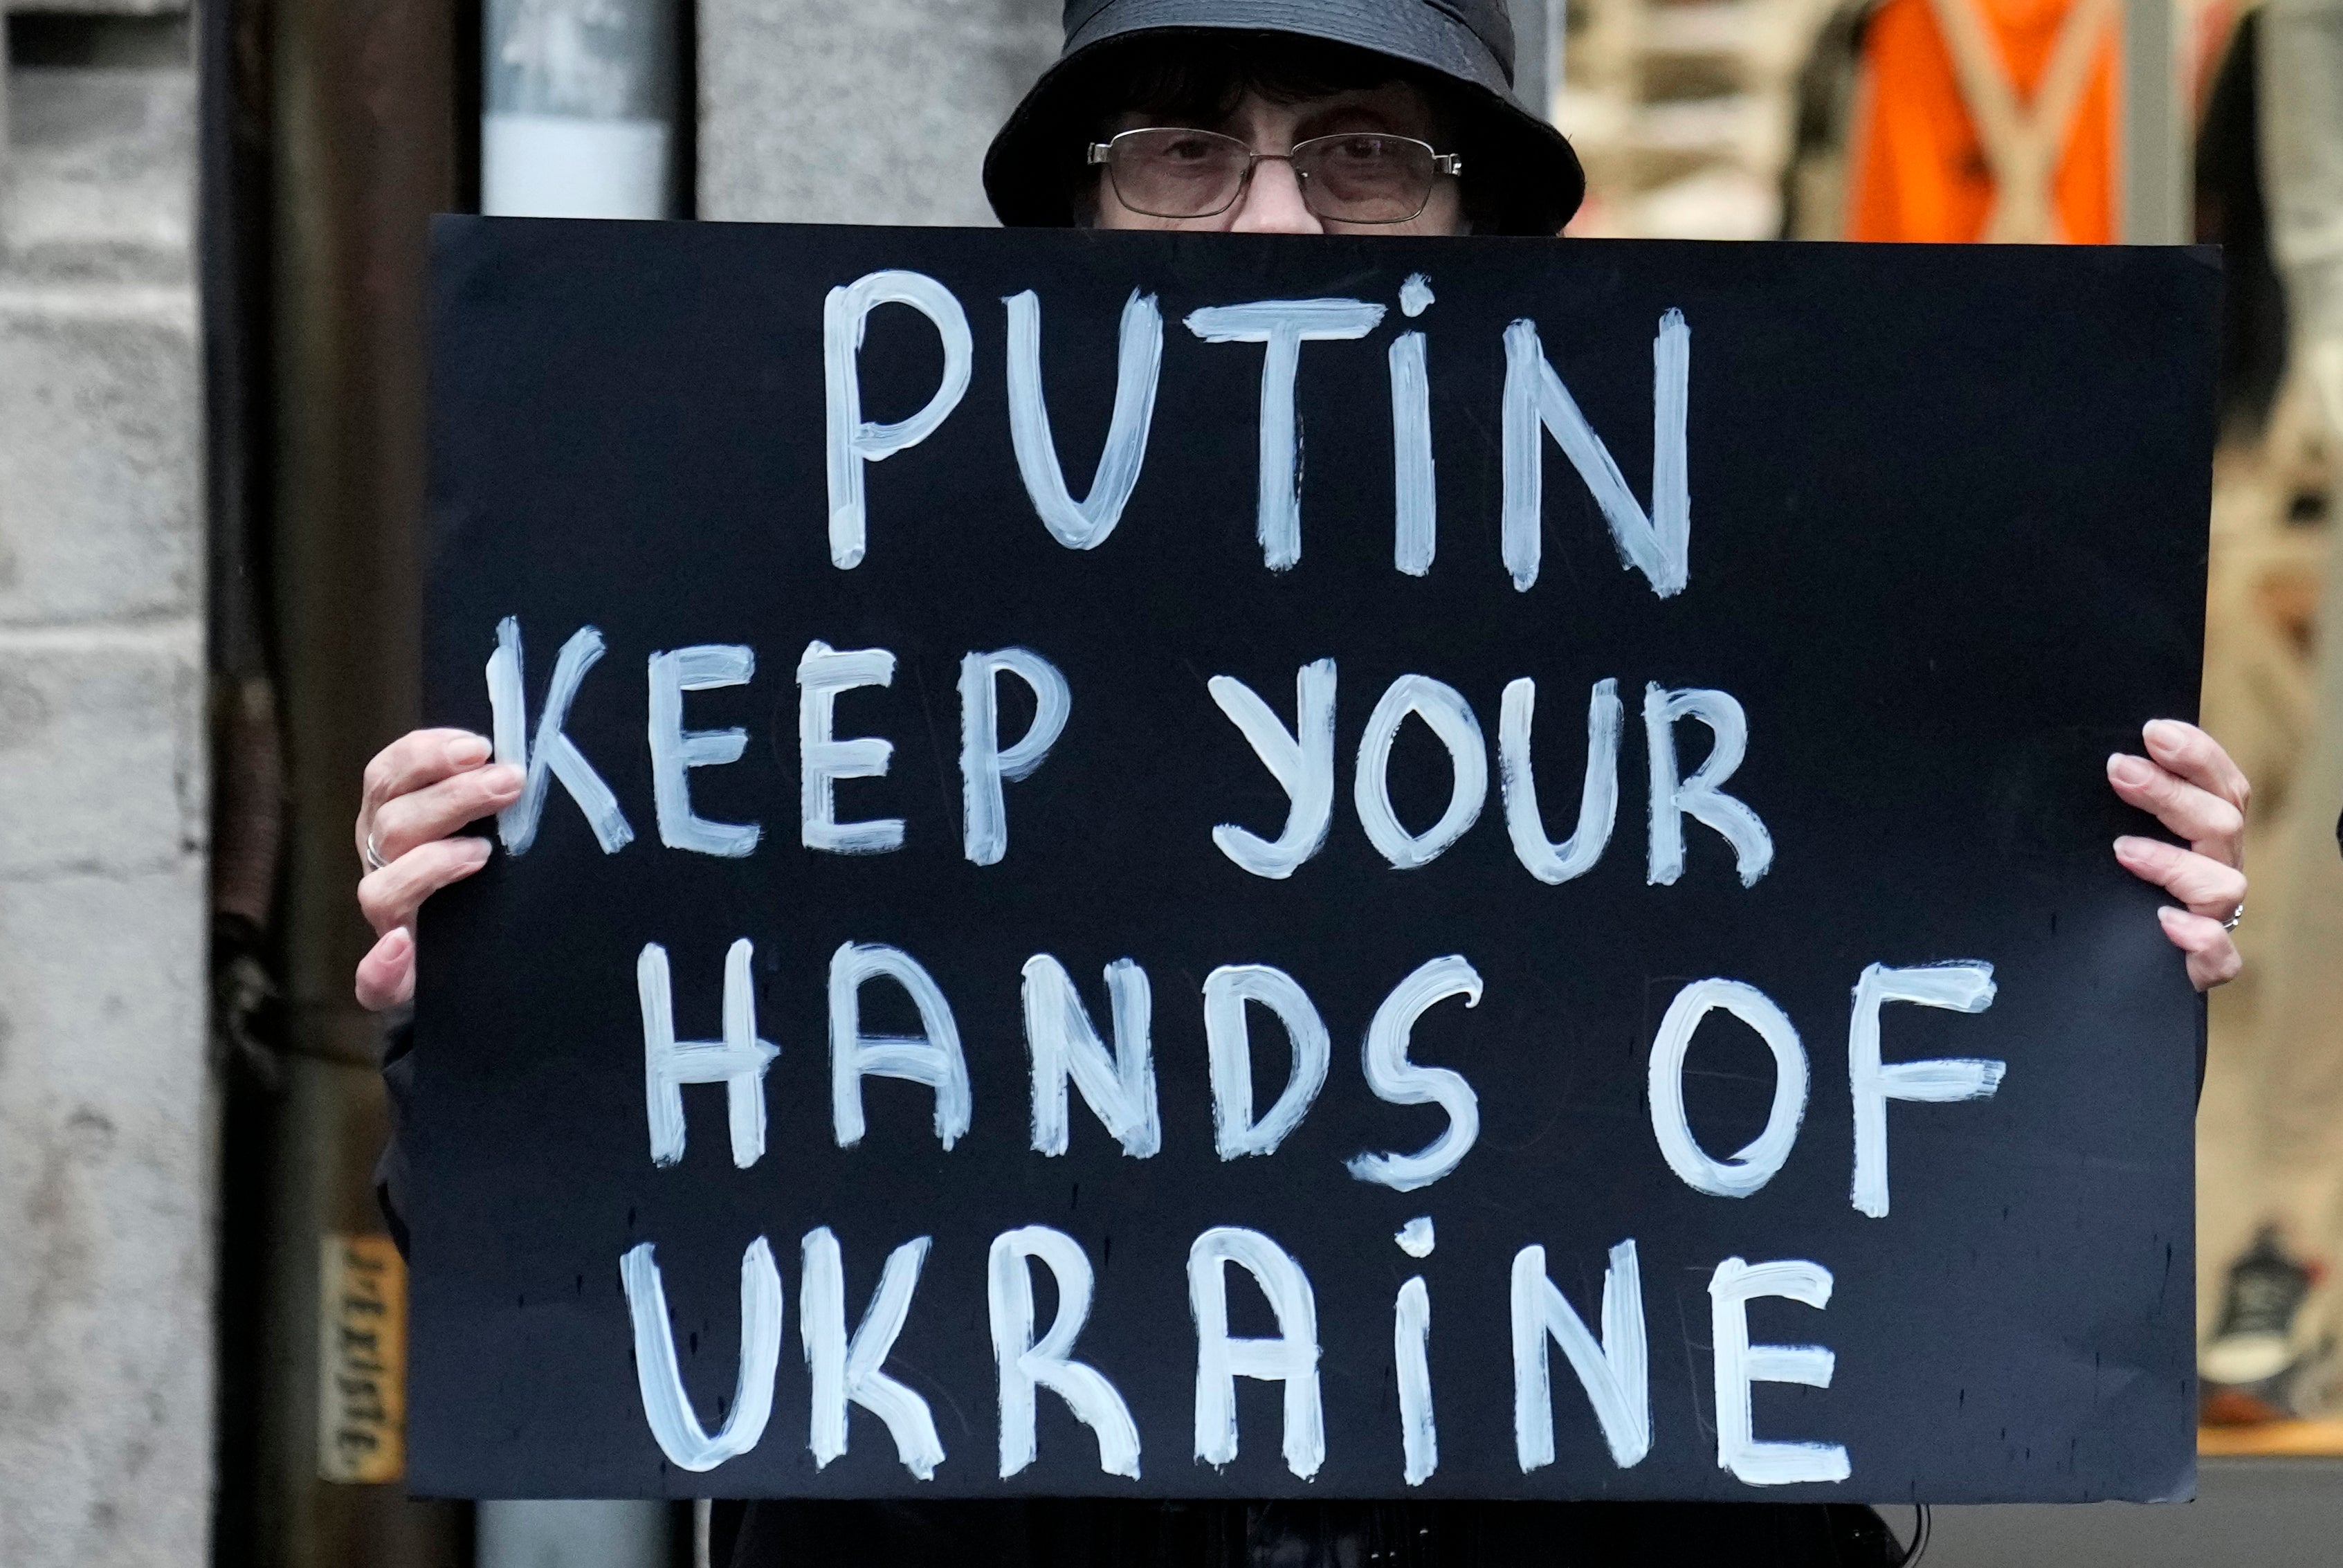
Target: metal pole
{"points": [[1557, 56], [1539, 28], [361, 153], [578, 119], [579, 107], [2154, 149], [546, 1535]]}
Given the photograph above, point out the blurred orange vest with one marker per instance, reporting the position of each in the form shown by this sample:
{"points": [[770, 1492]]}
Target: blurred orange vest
{"points": [[2045, 168]]}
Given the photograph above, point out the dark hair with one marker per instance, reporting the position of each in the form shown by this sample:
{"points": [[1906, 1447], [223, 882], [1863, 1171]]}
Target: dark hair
{"points": [[1203, 76]]}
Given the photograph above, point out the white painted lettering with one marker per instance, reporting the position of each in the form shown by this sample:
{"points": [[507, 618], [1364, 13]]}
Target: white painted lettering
{"points": [[675, 750], [850, 1371], [983, 765], [1291, 1359], [1443, 709], [1302, 763], [823, 760], [1120, 1089], [1701, 795], [932, 1056], [1740, 1363], [853, 441], [1139, 361], [555, 754], [1399, 1081], [666, 1404], [1598, 796], [1283, 326], [1228, 1041], [1956, 987], [1614, 1372], [738, 1061], [1419, 1432], [1755, 1164], [1414, 495], [1660, 545], [1027, 1364]]}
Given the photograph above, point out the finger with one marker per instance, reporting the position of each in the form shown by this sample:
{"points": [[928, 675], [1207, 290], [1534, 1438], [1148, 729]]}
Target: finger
{"points": [[419, 757], [2207, 886], [2212, 825], [2198, 757], [390, 897], [2212, 957], [386, 973], [405, 822]]}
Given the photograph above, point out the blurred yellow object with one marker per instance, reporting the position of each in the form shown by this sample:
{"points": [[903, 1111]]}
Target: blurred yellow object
{"points": [[362, 1360], [2304, 1439]]}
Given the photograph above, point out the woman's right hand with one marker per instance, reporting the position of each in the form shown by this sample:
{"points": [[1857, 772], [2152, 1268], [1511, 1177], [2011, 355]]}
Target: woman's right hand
{"points": [[421, 790]]}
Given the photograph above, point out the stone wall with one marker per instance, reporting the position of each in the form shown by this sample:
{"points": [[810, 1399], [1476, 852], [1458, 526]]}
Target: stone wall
{"points": [[106, 1141], [874, 112]]}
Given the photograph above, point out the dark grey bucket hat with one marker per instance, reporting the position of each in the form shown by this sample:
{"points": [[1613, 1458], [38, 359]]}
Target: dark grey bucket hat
{"points": [[1521, 178]]}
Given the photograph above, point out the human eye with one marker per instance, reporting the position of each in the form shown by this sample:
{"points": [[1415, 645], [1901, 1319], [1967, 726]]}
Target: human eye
{"points": [[1188, 146]]}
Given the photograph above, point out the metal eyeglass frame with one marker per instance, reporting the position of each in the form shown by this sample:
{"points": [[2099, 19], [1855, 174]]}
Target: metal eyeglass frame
{"points": [[1450, 164]]}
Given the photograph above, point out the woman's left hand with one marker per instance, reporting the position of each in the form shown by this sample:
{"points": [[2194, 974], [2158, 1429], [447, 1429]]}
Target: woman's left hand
{"points": [[2189, 783]]}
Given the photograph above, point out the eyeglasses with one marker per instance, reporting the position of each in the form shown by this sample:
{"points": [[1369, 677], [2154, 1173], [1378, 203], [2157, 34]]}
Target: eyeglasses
{"points": [[1354, 177]]}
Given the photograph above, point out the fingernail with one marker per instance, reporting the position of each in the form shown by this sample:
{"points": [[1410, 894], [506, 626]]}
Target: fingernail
{"points": [[2170, 916], [2126, 769], [504, 778], [478, 849], [465, 751], [2168, 732], [397, 941], [2130, 849]]}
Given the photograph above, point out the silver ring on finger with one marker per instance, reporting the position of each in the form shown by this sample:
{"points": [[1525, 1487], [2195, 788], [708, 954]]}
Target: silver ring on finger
{"points": [[373, 854], [2235, 915]]}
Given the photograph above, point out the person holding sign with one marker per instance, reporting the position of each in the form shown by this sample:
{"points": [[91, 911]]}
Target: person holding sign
{"points": [[1298, 117], [1309, 128]]}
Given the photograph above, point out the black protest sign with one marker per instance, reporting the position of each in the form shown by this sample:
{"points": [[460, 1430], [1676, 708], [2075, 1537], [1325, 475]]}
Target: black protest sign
{"points": [[1199, 866]]}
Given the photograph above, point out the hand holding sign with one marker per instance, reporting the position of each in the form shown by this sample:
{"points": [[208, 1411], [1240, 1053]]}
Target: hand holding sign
{"points": [[420, 792], [2190, 785]]}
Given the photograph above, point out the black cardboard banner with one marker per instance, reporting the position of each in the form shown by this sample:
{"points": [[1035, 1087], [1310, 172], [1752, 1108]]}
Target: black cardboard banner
{"points": [[1199, 866]]}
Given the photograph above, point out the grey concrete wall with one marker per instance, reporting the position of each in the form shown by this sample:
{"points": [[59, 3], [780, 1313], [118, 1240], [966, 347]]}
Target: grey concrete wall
{"points": [[105, 1124], [812, 111]]}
